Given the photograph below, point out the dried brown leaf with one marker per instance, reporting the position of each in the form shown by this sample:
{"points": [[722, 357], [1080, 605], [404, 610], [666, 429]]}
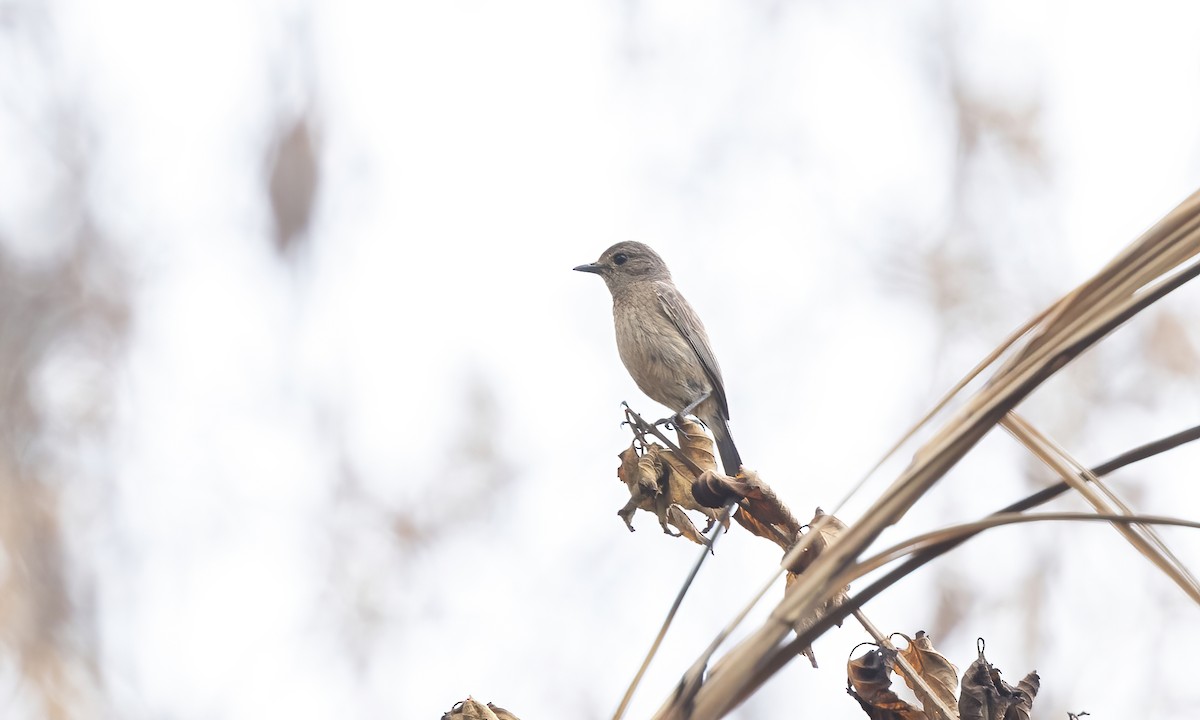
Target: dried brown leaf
{"points": [[676, 517], [868, 680], [938, 673], [760, 508], [470, 709], [754, 527], [651, 475], [985, 696], [696, 445], [660, 483], [501, 713], [826, 536], [759, 511], [1030, 684], [679, 483], [626, 513], [760, 500], [1028, 689], [641, 480], [978, 695]]}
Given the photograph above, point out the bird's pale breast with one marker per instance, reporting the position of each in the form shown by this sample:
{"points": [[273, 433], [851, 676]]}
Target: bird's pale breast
{"points": [[660, 359]]}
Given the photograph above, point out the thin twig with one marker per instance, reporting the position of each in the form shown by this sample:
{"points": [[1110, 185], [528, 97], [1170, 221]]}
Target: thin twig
{"points": [[965, 531], [722, 519]]}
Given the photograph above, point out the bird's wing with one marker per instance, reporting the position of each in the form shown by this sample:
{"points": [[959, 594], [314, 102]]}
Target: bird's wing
{"points": [[690, 327]]}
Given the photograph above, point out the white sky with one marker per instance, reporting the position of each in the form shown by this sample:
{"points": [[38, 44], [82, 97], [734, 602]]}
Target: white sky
{"points": [[475, 152]]}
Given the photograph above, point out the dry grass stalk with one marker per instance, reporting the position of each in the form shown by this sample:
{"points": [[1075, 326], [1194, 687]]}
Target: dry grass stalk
{"points": [[1103, 499], [1156, 263]]}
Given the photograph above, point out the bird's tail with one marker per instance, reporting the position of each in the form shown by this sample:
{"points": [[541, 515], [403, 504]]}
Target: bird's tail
{"points": [[731, 461]]}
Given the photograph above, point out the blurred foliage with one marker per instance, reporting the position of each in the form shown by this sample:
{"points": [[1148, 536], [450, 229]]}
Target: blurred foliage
{"points": [[293, 179], [63, 322], [62, 325]]}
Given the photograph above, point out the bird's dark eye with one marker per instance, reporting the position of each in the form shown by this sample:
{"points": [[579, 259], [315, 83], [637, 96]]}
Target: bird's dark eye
{"points": [[620, 258]]}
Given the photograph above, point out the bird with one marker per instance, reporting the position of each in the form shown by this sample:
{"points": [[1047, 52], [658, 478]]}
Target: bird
{"points": [[662, 342]]}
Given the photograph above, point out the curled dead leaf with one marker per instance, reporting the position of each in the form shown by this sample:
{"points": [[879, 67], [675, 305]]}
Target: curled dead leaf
{"points": [[472, 709], [1030, 684], [676, 517], [760, 511], [660, 482], [501, 713], [938, 673], [696, 445], [642, 481], [715, 490], [827, 534], [868, 680], [828, 531], [985, 695], [763, 530]]}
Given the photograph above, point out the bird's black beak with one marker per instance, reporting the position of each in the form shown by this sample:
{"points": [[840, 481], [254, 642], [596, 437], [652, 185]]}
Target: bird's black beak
{"points": [[590, 267]]}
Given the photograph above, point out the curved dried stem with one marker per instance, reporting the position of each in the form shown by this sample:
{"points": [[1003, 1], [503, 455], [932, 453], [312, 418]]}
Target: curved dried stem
{"points": [[962, 532], [1154, 265], [722, 521], [1144, 539], [923, 556]]}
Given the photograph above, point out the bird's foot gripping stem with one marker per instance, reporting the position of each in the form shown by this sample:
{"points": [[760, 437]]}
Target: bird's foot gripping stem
{"points": [[678, 418]]}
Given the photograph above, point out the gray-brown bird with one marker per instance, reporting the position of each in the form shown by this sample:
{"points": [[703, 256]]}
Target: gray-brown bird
{"points": [[663, 343]]}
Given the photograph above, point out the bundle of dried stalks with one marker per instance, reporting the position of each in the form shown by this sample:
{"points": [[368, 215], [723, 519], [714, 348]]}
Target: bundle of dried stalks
{"points": [[1158, 262]]}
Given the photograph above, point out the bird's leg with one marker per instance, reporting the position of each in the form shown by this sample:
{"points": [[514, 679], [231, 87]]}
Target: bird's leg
{"points": [[692, 406], [678, 417]]}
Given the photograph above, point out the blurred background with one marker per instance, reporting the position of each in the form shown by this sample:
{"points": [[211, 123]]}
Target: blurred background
{"points": [[303, 414]]}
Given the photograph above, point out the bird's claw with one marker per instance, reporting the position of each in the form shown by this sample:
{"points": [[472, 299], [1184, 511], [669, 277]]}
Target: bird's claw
{"points": [[671, 422]]}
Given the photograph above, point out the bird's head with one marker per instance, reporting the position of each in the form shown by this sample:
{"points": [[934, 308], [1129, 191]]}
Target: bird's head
{"points": [[627, 262]]}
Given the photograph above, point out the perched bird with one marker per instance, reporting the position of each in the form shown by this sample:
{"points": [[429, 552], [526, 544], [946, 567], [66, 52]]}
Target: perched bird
{"points": [[662, 341]]}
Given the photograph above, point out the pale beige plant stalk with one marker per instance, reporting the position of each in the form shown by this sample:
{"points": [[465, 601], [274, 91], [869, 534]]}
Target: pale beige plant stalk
{"points": [[1159, 261]]}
